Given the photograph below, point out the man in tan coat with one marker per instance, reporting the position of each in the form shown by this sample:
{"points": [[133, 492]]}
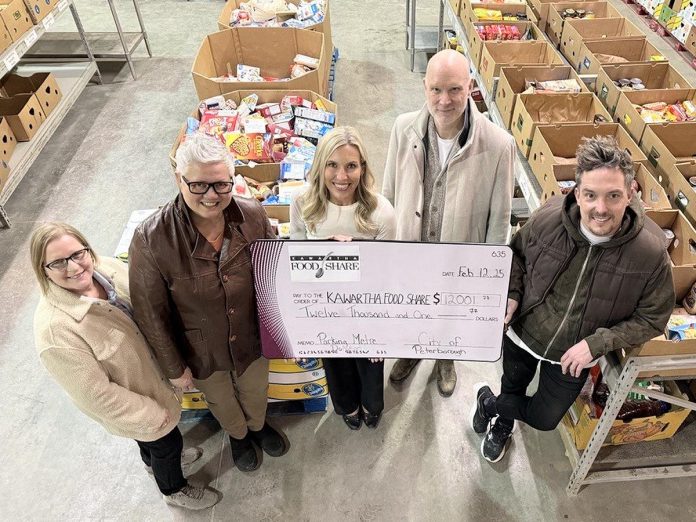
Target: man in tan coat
{"points": [[449, 175]]}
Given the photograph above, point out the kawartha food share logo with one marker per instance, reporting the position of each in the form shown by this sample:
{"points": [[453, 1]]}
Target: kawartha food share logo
{"points": [[328, 263]]}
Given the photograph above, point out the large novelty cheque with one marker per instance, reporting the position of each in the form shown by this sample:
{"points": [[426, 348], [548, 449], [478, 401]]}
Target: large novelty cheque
{"points": [[381, 299]]}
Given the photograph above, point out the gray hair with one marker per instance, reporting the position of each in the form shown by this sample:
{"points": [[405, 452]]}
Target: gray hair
{"points": [[204, 150], [603, 152]]}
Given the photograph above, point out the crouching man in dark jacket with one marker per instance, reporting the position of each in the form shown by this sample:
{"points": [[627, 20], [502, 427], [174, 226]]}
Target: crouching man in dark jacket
{"points": [[590, 275]]}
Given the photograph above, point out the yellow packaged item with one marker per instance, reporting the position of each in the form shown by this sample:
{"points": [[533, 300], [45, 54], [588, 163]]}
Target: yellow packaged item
{"points": [[488, 14]]}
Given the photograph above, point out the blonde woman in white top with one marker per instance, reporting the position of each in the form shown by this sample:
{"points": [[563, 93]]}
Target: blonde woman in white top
{"points": [[341, 203]]}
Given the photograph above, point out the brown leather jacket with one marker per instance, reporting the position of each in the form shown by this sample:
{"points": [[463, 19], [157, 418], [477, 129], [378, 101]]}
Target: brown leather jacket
{"points": [[194, 309]]}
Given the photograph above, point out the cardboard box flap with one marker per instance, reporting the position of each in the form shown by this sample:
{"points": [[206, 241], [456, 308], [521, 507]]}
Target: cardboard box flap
{"points": [[657, 75], [668, 96], [651, 192]]}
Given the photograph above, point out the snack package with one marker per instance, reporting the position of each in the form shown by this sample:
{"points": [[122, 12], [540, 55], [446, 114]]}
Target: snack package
{"points": [[571, 85], [650, 116], [680, 327], [298, 70], [566, 186], [269, 110], [689, 108], [290, 101], [293, 169], [192, 125], [310, 128], [255, 124], [488, 14], [241, 188], [247, 73], [655, 106], [249, 147]]}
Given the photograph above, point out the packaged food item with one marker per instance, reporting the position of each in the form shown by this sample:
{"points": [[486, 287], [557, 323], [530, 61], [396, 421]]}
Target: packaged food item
{"points": [[655, 106], [689, 108], [310, 128], [488, 14], [247, 73], [316, 115], [566, 186], [669, 237], [298, 70], [307, 61], [241, 188], [680, 327], [550, 86], [249, 147], [192, 125], [676, 110], [295, 101], [255, 124]]}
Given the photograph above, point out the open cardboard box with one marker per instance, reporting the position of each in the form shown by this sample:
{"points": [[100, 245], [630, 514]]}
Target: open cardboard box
{"points": [[632, 49], [8, 142], [641, 429], [512, 82], [578, 30], [517, 9], [44, 85], [39, 9], [658, 75], [682, 251], [24, 114], [666, 144], [262, 172], [680, 192], [683, 278], [498, 54], [553, 142], [272, 49], [323, 27], [555, 22], [16, 18], [532, 110], [628, 116], [475, 43]]}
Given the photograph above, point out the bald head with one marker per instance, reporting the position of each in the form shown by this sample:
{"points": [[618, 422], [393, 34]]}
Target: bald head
{"points": [[448, 60], [447, 83]]}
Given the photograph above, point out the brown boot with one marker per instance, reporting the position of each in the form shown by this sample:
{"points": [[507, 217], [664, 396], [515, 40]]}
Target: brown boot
{"points": [[402, 369], [446, 377]]}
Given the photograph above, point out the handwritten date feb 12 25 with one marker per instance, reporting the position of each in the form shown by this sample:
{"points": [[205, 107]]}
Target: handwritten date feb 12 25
{"points": [[483, 272]]}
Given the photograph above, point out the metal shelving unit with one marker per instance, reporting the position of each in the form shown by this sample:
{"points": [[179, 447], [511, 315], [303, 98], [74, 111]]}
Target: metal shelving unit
{"points": [[427, 39], [670, 458], [106, 46], [72, 79]]}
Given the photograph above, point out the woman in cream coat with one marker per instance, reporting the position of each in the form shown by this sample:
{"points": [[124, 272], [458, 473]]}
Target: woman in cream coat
{"points": [[87, 340]]}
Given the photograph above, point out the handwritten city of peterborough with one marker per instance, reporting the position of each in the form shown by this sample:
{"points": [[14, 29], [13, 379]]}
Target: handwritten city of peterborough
{"points": [[381, 299]]}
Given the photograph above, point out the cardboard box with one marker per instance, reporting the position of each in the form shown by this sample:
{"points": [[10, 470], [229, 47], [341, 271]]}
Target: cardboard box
{"points": [[512, 82], [659, 75], [520, 9], [682, 251], [641, 429], [16, 18], [324, 27], [551, 143], [627, 115], [24, 114], [532, 110], [680, 192], [633, 49], [8, 142], [455, 5], [38, 9], [577, 31], [666, 144], [271, 49], [44, 85], [475, 43], [653, 194], [555, 22], [498, 54], [541, 10], [5, 37]]}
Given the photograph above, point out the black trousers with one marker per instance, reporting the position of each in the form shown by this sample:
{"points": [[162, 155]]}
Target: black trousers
{"points": [[556, 392], [355, 382], [164, 455]]}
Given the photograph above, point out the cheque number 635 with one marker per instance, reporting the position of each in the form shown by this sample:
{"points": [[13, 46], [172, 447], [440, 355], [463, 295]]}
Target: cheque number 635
{"points": [[499, 253]]}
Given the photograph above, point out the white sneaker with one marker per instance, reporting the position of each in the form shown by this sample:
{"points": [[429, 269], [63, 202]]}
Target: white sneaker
{"points": [[188, 457], [194, 497]]}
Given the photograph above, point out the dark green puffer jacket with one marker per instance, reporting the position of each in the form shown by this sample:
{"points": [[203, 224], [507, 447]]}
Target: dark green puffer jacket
{"points": [[614, 295]]}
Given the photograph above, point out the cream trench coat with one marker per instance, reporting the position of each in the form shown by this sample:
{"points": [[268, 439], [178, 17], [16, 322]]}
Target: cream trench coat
{"points": [[102, 361], [479, 180]]}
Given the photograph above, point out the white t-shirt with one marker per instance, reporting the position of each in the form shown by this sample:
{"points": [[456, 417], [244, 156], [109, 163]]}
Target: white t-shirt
{"points": [[340, 220], [444, 147], [593, 239]]}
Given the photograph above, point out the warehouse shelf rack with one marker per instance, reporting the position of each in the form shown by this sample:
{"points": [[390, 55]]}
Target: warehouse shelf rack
{"points": [[596, 464], [72, 79]]}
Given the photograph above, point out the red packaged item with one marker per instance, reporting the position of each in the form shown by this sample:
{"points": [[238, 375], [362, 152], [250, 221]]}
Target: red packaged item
{"points": [[270, 110], [281, 129], [678, 112], [215, 123], [249, 147]]}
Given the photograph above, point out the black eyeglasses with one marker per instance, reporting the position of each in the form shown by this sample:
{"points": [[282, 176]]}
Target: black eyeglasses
{"points": [[199, 187], [62, 264]]}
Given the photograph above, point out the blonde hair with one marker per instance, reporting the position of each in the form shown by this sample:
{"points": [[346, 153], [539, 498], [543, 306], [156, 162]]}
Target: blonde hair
{"points": [[41, 237], [316, 199]]}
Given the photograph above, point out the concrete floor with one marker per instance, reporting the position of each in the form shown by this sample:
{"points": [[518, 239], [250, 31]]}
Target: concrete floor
{"points": [[110, 158]]}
